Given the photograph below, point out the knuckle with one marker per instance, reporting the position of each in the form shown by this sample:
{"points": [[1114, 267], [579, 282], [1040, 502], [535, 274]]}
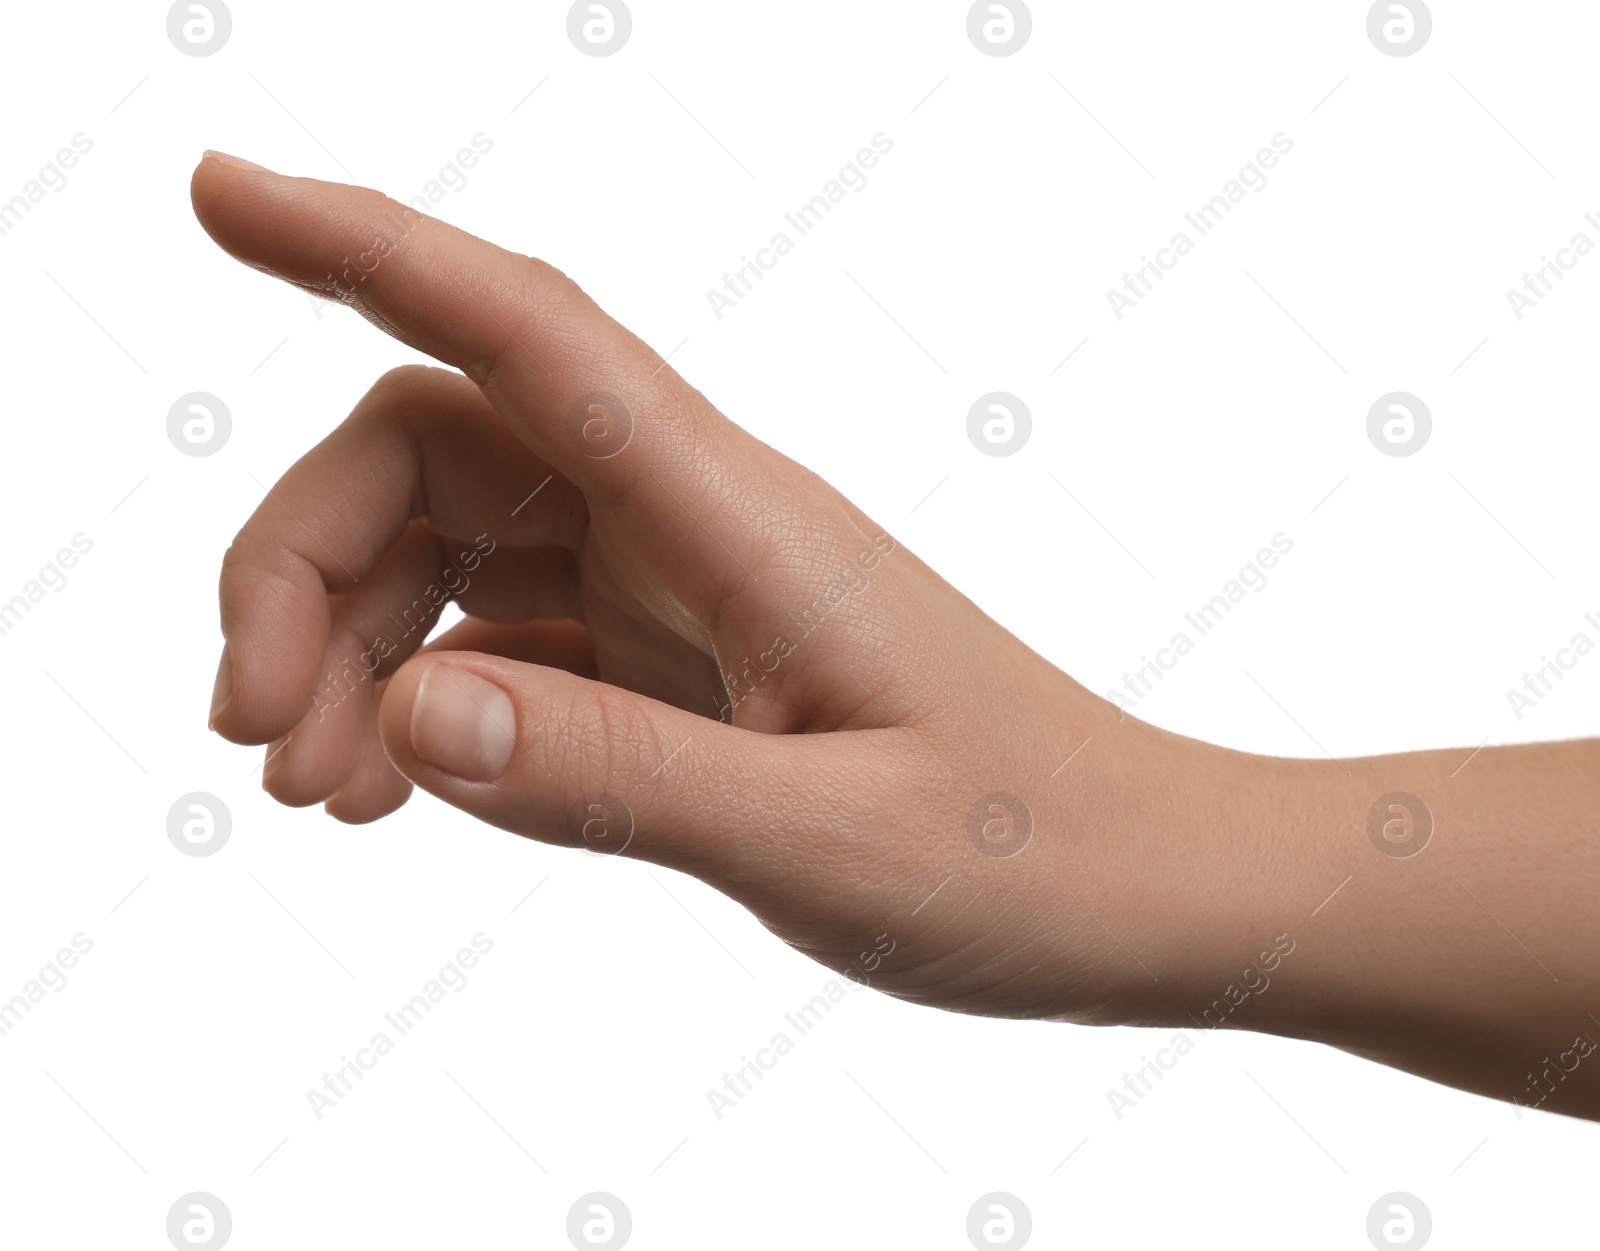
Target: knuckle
{"points": [[543, 283], [248, 557], [544, 305], [262, 579], [251, 556], [569, 521]]}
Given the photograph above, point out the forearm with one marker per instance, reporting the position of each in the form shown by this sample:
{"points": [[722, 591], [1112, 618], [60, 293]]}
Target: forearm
{"points": [[1465, 954]]}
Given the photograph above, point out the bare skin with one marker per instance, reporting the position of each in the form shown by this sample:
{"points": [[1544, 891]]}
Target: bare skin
{"points": [[684, 646]]}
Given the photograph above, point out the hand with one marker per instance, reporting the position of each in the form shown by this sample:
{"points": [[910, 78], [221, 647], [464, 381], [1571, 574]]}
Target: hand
{"points": [[679, 643], [682, 646]]}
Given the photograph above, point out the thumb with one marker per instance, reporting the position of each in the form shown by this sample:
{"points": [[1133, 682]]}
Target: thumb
{"points": [[567, 760]]}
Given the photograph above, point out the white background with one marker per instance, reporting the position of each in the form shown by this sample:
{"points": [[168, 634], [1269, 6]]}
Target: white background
{"points": [[1225, 408]]}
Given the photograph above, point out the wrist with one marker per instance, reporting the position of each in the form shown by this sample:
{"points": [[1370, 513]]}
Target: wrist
{"points": [[1219, 874]]}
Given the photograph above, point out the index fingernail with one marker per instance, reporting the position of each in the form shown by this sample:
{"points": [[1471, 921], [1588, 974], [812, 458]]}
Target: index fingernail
{"points": [[235, 162]]}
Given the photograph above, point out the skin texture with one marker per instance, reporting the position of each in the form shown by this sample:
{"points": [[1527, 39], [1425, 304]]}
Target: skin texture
{"points": [[684, 646]]}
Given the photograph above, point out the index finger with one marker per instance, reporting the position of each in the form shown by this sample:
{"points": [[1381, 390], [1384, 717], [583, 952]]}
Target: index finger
{"points": [[572, 382]]}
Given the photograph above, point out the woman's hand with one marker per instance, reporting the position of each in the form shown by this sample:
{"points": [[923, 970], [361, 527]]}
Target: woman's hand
{"points": [[680, 644]]}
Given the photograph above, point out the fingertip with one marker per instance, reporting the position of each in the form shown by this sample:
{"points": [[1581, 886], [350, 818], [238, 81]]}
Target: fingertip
{"points": [[287, 785], [249, 712], [377, 788], [211, 173], [367, 800], [235, 199], [322, 755], [276, 620], [222, 688]]}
